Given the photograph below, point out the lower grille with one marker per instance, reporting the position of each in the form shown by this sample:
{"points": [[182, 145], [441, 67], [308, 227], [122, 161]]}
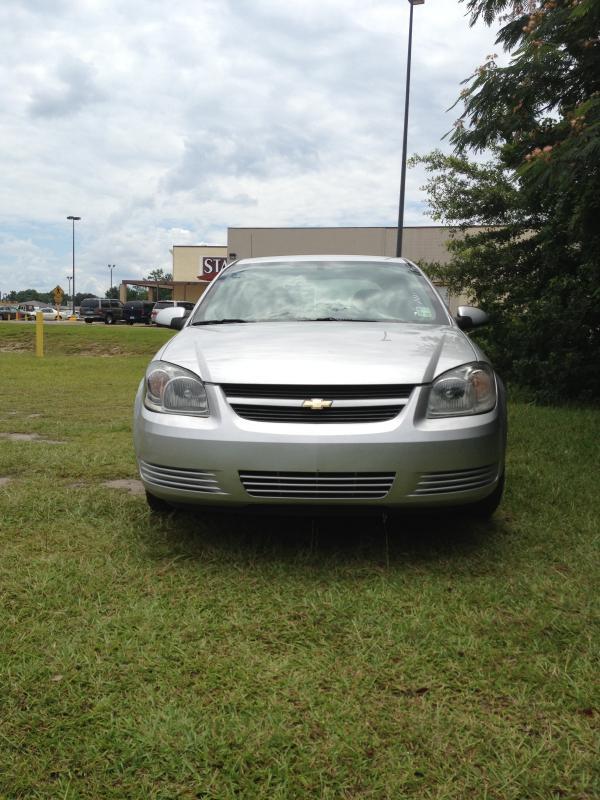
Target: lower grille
{"points": [[318, 485], [454, 481], [188, 479], [328, 416]]}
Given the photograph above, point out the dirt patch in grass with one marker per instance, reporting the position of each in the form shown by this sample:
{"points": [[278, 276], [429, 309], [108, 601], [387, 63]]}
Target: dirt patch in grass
{"points": [[5, 481], [129, 485], [25, 344], [28, 437], [15, 347], [101, 349]]}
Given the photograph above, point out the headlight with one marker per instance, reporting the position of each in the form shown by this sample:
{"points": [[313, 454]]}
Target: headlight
{"points": [[174, 390], [470, 389]]}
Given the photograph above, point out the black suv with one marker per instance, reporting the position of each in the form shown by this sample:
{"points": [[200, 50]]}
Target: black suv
{"points": [[137, 311], [93, 309]]}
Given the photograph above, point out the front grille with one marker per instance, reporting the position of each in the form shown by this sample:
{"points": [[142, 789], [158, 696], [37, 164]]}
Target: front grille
{"points": [[328, 416], [304, 391], [284, 403], [188, 479], [454, 481], [318, 485]]}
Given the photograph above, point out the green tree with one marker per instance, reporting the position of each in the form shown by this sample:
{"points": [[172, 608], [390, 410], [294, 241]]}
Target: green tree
{"points": [[28, 294], [160, 276], [79, 296], [536, 263], [133, 293]]}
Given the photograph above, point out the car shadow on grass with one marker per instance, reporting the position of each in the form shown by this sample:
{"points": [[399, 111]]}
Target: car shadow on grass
{"points": [[333, 540]]}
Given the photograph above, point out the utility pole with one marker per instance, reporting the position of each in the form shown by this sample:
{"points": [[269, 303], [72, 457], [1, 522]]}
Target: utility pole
{"points": [[73, 220], [413, 3]]}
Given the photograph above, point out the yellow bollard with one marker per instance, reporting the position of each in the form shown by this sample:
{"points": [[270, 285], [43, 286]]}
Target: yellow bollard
{"points": [[39, 334]]}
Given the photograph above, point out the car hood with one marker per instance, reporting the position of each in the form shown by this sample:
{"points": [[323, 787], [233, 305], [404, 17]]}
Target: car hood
{"points": [[319, 352]]}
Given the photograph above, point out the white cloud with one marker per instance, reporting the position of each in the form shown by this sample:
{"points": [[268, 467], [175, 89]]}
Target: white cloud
{"points": [[162, 124]]}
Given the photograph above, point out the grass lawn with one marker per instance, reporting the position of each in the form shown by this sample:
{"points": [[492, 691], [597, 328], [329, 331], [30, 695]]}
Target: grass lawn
{"points": [[285, 659]]}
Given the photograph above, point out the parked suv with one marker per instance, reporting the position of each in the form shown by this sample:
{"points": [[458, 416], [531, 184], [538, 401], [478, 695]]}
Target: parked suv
{"points": [[169, 304], [93, 309], [137, 311]]}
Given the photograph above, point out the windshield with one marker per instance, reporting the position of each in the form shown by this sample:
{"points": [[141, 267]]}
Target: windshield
{"points": [[321, 290]]}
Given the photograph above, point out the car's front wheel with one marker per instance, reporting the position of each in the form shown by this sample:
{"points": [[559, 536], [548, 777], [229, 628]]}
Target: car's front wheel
{"points": [[157, 504], [89, 321], [483, 509], [108, 319]]}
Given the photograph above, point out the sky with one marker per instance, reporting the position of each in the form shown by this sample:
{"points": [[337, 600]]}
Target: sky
{"points": [[164, 123]]}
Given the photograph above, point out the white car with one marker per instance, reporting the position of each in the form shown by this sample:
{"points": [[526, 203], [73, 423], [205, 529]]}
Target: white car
{"points": [[47, 313], [161, 304]]}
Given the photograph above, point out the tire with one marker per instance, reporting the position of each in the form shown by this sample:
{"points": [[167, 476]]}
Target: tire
{"points": [[130, 322], [483, 509], [89, 321], [108, 319], [157, 504]]}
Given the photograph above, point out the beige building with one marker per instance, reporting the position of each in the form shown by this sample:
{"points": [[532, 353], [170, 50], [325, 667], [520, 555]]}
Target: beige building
{"points": [[194, 266], [427, 243]]}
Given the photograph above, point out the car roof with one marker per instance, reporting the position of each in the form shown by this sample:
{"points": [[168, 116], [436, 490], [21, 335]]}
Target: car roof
{"points": [[317, 257]]}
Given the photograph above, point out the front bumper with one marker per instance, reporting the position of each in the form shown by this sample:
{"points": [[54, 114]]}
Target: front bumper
{"points": [[429, 462]]}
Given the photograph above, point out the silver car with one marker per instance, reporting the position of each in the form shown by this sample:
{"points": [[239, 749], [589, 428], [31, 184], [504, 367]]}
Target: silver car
{"points": [[322, 381]]}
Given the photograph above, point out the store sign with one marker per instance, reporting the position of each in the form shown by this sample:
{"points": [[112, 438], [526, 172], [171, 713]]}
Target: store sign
{"points": [[211, 266]]}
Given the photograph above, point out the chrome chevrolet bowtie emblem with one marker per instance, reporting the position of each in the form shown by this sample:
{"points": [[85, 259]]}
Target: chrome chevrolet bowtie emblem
{"points": [[316, 404]]}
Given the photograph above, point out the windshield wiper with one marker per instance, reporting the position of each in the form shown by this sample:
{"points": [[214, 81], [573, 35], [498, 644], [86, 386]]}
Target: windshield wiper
{"points": [[219, 321], [343, 319]]}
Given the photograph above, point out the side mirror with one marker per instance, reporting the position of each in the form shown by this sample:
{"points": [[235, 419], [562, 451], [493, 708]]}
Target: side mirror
{"points": [[468, 317], [177, 323], [166, 315]]}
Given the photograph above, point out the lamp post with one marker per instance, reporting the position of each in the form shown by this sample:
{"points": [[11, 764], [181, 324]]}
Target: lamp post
{"points": [[111, 267], [413, 3], [73, 220], [69, 279]]}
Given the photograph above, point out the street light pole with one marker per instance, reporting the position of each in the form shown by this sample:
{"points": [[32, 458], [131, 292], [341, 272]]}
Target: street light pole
{"points": [[73, 220], [68, 277], [111, 267], [413, 3]]}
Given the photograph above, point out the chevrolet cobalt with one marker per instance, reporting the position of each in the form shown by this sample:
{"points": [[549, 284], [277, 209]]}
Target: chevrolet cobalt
{"points": [[323, 381]]}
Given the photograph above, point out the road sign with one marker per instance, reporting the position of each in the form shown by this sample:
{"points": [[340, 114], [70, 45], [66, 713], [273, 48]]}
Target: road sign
{"points": [[58, 295]]}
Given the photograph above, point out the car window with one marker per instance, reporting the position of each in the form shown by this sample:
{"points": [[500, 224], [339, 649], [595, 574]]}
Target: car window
{"points": [[115, 303], [363, 290]]}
